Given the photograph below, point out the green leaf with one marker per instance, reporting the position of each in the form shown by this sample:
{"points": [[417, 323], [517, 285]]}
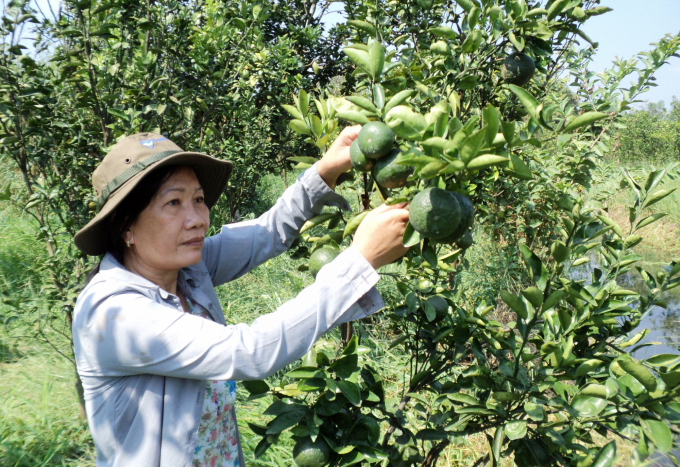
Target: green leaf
{"points": [[255, 387], [352, 345], [560, 252], [606, 456], [556, 8], [508, 130], [664, 359], [659, 433], [377, 57], [438, 143], [430, 434], [486, 160], [516, 429], [491, 118], [351, 391], [472, 41], [399, 98], [13, 139], [444, 32], [303, 102], [537, 271], [406, 123], [534, 296], [379, 96], [345, 366], [632, 240], [363, 103], [300, 127], [363, 26], [353, 116], [285, 421], [584, 119], [462, 398], [304, 372], [472, 144], [656, 197], [649, 220], [527, 100], [515, 303], [411, 236], [639, 372], [261, 448], [534, 411], [553, 299], [588, 366], [587, 406], [519, 169], [359, 57], [497, 443]]}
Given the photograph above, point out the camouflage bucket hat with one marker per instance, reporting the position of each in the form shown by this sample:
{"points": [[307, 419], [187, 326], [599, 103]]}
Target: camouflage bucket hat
{"points": [[128, 163]]}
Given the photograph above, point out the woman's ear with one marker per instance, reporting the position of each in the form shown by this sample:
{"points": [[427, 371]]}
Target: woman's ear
{"points": [[128, 238]]}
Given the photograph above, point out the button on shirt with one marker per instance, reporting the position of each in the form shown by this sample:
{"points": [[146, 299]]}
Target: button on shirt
{"points": [[144, 362]]}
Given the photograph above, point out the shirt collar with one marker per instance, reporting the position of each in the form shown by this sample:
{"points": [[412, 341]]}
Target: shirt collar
{"points": [[193, 275]]}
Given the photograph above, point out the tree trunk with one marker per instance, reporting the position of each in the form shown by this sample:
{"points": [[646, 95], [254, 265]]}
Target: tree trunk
{"points": [[79, 383]]}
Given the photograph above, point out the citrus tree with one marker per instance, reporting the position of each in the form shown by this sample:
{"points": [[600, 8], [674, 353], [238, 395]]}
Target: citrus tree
{"points": [[468, 114], [77, 77]]}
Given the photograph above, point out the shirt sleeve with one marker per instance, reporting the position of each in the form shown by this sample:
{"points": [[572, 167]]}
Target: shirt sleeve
{"points": [[242, 246], [129, 333]]}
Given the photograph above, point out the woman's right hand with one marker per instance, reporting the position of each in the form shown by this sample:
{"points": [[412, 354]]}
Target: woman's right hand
{"points": [[379, 236]]}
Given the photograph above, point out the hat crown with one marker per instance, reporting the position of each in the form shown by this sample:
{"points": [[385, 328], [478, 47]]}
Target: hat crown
{"points": [[126, 153]]}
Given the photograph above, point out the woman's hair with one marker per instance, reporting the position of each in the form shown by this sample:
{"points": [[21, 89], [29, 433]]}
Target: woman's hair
{"points": [[127, 211]]}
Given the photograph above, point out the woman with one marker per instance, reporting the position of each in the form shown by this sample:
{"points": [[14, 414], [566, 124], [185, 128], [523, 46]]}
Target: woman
{"points": [[153, 350]]}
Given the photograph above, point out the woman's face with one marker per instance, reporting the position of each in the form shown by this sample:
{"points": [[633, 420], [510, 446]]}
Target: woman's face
{"points": [[168, 235]]}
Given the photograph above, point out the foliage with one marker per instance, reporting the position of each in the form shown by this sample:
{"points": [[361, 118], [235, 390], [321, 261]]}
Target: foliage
{"points": [[542, 384], [210, 75], [651, 135]]}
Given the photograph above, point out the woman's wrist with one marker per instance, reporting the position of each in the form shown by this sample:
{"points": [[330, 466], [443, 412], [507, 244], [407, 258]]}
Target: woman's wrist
{"points": [[328, 173]]}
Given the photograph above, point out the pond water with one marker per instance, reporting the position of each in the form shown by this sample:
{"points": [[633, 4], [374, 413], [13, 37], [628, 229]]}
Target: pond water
{"points": [[663, 325]]}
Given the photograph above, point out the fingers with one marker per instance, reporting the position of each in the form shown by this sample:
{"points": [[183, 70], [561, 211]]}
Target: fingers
{"points": [[350, 133], [400, 215]]}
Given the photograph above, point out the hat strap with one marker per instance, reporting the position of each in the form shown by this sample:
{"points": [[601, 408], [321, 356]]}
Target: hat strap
{"points": [[123, 177]]}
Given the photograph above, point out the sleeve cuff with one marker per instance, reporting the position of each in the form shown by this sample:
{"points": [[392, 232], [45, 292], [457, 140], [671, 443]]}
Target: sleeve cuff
{"points": [[321, 194], [361, 276]]}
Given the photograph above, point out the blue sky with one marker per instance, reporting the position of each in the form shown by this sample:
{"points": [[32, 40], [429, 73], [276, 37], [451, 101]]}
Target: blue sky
{"points": [[630, 29]]}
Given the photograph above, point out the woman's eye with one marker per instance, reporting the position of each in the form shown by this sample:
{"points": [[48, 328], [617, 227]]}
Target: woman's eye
{"points": [[174, 202], [200, 199]]}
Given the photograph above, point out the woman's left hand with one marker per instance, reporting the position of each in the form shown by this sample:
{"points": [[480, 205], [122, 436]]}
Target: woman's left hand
{"points": [[336, 161]]}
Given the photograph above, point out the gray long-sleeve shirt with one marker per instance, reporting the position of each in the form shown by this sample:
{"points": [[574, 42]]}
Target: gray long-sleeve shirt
{"points": [[144, 362]]}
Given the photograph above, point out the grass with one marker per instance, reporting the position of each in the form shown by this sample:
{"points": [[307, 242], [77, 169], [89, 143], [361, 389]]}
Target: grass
{"points": [[39, 423]]}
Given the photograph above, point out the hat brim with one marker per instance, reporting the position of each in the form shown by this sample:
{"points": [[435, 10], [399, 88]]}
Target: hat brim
{"points": [[212, 174]]}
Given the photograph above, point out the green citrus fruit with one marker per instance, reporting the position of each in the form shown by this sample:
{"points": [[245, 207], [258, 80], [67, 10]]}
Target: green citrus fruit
{"points": [[440, 305], [518, 69], [467, 218], [424, 286], [320, 258], [465, 241], [434, 213], [375, 140], [308, 453], [391, 175], [359, 161]]}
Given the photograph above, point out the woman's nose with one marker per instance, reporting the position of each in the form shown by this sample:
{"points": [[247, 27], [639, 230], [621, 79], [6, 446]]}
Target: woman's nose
{"points": [[195, 217]]}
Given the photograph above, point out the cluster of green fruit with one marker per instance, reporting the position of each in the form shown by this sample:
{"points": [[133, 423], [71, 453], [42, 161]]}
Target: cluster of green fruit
{"points": [[373, 151], [440, 215]]}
